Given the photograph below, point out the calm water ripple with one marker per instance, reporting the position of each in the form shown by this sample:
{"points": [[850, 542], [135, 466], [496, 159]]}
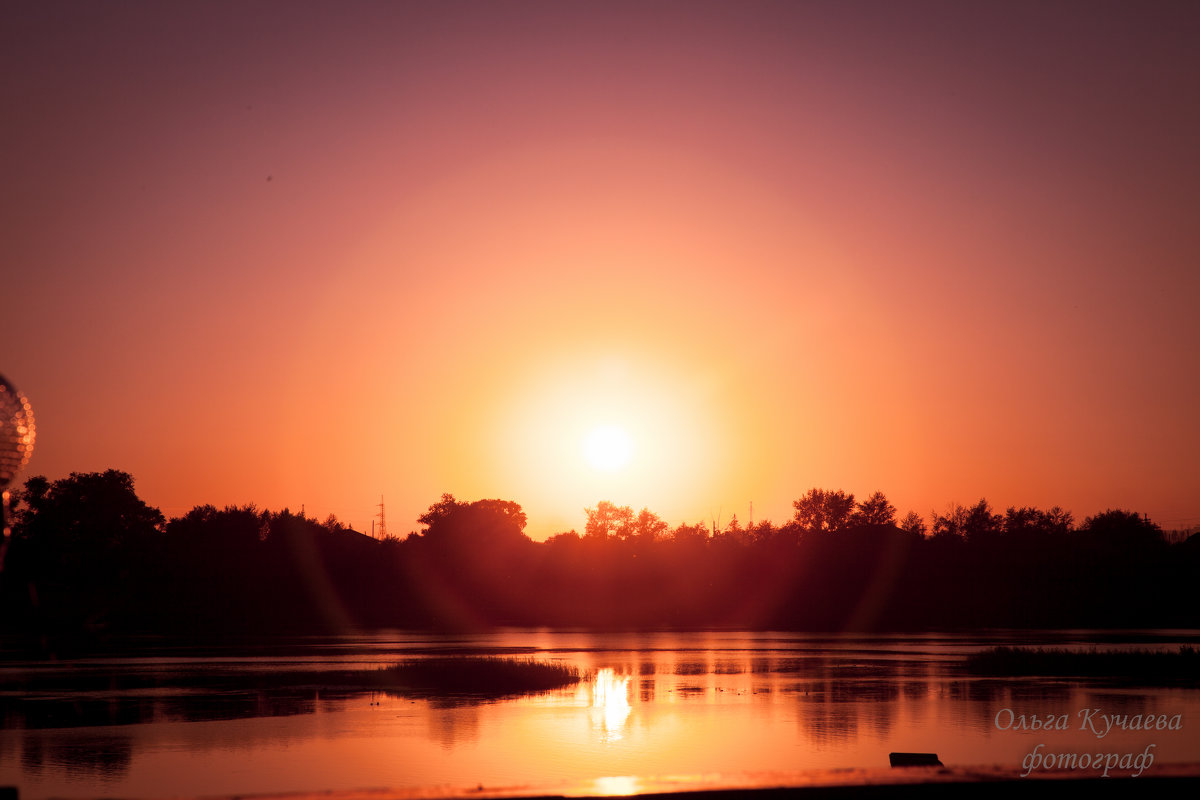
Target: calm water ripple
{"points": [[651, 704]]}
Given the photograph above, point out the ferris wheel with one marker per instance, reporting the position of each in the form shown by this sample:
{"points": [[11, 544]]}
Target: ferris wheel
{"points": [[17, 435]]}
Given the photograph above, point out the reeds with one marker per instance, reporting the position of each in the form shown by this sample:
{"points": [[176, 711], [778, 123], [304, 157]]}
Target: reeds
{"points": [[1144, 666], [476, 675], [435, 675]]}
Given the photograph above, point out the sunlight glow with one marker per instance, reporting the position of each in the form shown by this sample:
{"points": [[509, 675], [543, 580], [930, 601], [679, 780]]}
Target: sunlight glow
{"points": [[616, 786], [610, 702], [608, 448], [573, 428]]}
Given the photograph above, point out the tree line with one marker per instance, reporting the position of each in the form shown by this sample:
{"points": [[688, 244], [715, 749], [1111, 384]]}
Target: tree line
{"points": [[88, 555]]}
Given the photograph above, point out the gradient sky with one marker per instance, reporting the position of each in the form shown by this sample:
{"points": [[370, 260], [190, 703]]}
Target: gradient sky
{"points": [[312, 253]]}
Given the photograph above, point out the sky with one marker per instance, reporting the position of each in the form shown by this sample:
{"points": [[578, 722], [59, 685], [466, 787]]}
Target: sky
{"points": [[309, 255]]}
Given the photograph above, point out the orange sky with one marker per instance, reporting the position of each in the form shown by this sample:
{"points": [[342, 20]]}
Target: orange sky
{"points": [[308, 254]]}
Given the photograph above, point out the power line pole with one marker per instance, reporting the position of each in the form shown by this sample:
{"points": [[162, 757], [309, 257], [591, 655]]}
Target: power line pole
{"points": [[382, 521]]}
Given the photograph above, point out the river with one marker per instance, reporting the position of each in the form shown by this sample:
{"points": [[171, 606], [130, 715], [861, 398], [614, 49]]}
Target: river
{"points": [[656, 704]]}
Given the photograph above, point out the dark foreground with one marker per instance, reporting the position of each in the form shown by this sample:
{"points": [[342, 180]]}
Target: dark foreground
{"points": [[1174, 781], [920, 782]]}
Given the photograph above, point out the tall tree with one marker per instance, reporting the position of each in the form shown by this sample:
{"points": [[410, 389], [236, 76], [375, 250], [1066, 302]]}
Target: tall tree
{"points": [[822, 510], [1121, 529], [609, 521], [875, 510], [88, 546], [1029, 521], [649, 527], [974, 523], [482, 523], [913, 523]]}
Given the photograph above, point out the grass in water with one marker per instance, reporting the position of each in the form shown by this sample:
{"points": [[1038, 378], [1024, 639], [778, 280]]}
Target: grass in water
{"points": [[1145, 666], [476, 675], [494, 676]]}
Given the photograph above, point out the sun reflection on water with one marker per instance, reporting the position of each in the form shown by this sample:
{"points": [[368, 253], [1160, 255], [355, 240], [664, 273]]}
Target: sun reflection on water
{"points": [[610, 702], [623, 785]]}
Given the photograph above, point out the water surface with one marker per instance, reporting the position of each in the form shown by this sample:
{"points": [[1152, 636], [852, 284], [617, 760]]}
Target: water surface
{"points": [[652, 704]]}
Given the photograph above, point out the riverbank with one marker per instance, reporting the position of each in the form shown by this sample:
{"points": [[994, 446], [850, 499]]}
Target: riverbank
{"points": [[1146, 667]]}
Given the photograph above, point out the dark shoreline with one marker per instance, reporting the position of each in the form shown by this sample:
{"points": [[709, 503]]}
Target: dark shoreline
{"points": [[475, 675], [1145, 667], [403, 642]]}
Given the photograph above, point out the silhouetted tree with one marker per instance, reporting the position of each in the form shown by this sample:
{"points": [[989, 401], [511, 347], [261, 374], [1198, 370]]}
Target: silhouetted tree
{"points": [[1028, 521], [91, 510], [649, 527], [563, 539], [761, 531], [468, 525], [913, 523], [972, 523], [822, 510], [218, 560], [1121, 529], [607, 521], [230, 532], [95, 555], [89, 548], [469, 566], [690, 534], [982, 522], [952, 524], [1123, 557], [875, 510]]}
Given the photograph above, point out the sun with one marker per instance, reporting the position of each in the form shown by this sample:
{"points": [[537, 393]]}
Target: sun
{"points": [[608, 448]]}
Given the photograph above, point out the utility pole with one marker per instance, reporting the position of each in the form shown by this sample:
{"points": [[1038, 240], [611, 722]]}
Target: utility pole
{"points": [[382, 521]]}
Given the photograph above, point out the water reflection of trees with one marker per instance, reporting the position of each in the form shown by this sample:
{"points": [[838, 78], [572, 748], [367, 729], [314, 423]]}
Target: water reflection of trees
{"points": [[1122, 702], [691, 668], [833, 710], [76, 710], [829, 724], [107, 757], [453, 723]]}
